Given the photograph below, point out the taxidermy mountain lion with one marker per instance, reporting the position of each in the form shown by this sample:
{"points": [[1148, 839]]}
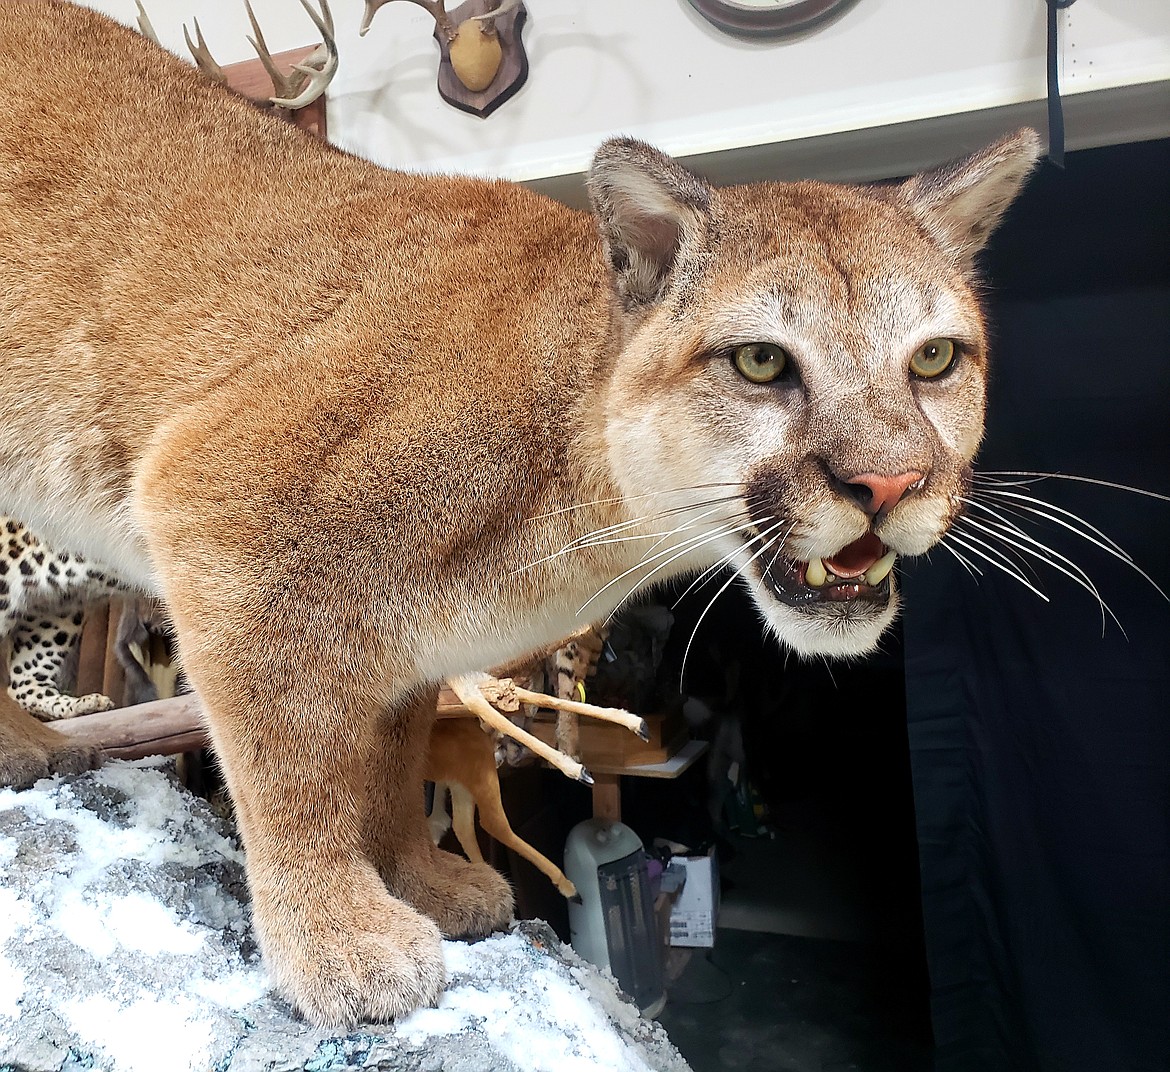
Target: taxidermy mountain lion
{"points": [[362, 430]]}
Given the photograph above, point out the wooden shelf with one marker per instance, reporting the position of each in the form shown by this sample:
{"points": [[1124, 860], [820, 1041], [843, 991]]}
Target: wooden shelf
{"points": [[679, 762], [607, 745]]}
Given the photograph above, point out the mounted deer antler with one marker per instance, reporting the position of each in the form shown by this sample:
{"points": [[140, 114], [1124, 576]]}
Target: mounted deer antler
{"points": [[479, 47], [437, 9], [315, 72], [293, 91], [144, 26]]}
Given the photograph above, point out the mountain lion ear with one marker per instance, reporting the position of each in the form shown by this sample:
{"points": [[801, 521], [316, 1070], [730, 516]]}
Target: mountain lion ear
{"points": [[653, 214], [961, 202]]}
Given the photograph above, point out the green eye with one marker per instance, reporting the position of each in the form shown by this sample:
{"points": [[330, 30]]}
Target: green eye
{"points": [[760, 362], [933, 358]]}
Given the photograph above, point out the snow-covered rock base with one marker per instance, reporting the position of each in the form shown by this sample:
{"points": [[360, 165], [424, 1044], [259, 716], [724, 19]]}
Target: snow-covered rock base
{"points": [[125, 945]]}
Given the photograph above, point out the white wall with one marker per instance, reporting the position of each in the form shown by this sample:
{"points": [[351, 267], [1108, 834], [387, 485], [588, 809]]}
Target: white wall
{"points": [[935, 74]]}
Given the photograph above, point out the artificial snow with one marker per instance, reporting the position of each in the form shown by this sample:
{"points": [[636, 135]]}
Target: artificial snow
{"points": [[125, 945]]}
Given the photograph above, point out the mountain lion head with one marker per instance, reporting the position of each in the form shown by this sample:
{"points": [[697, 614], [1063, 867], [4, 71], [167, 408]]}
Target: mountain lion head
{"points": [[819, 347]]}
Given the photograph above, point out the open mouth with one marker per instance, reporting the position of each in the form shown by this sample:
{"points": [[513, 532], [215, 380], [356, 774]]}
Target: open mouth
{"points": [[859, 572]]}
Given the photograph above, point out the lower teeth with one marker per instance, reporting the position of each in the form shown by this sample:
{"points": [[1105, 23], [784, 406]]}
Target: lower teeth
{"points": [[817, 576]]}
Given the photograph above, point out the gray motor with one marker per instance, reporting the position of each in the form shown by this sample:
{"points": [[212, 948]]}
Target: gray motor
{"points": [[614, 925]]}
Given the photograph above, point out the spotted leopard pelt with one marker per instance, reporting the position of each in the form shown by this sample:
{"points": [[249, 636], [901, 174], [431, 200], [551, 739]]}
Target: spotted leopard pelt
{"points": [[42, 599]]}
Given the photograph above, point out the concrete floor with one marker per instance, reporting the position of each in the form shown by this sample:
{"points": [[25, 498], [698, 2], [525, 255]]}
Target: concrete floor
{"points": [[812, 974], [780, 1003]]}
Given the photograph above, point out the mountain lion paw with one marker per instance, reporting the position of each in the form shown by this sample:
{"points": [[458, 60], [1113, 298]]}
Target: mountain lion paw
{"points": [[466, 900], [339, 979], [27, 757]]}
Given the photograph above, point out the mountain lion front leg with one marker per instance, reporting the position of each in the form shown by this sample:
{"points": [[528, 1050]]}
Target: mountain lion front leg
{"points": [[292, 701], [466, 900]]}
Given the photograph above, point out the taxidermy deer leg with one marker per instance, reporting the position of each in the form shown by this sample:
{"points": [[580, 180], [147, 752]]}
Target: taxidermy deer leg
{"points": [[466, 899], [634, 723], [438, 820], [30, 750], [467, 687], [464, 756], [463, 813]]}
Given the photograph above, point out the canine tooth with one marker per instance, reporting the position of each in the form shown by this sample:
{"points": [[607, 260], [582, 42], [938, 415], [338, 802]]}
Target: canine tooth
{"points": [[880, 570], [815, 573]]}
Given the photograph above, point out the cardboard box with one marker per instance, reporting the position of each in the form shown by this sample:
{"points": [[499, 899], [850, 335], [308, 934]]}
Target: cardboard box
{"points": [[695, 914]]}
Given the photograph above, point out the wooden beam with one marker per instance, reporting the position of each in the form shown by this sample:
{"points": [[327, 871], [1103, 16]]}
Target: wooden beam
{"points": [[163, 727]]}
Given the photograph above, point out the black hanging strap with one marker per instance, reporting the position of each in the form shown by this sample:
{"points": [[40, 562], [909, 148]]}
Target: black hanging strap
{"points": [[1055, 111]]}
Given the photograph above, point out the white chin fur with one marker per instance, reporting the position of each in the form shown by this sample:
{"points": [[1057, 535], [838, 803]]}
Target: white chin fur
{"points": [[840, 631]]}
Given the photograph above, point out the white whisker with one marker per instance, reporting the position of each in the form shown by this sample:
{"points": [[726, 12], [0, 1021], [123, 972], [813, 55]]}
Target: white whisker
{"points": [[676, 552], [1108, 544], [971, 543], [990, 474], [670, 554], [1110, 547], [724, 559], [590, 537], [970, 567], [609, 534], [1049, 557], [686, 525], [630, 498], [727, 584], [659, 536], [1017, 560], [664, 565], [717, 566]]}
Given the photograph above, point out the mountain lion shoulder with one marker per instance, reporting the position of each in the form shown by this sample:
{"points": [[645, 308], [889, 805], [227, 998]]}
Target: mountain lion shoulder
{"points": [[364, 430]]}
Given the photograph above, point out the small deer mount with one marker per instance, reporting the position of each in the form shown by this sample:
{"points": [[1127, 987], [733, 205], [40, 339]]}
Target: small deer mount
{"points": [[482, 62]]}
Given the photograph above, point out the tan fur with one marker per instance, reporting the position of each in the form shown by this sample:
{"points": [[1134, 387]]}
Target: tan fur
{"points": [[316, 407], [30, 750], [464, 757]]}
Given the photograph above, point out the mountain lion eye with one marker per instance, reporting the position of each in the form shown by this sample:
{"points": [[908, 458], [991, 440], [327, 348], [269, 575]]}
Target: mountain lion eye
{"points": [[933, 358], [760, 362]]}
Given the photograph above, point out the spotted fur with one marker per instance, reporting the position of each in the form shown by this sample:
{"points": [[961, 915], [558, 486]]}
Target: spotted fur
{"points": [[42, 598]]}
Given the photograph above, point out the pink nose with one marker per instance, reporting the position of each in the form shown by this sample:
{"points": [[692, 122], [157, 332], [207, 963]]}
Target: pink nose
{"points": [[878, 494]]}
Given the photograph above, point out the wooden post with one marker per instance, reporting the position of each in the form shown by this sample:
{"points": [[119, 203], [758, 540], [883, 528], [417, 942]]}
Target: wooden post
{"points": [[607, 797], [113, 676], [91, 660]]}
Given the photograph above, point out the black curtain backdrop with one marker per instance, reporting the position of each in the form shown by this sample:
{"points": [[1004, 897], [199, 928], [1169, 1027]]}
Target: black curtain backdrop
{"points": [[1041, 749]]}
